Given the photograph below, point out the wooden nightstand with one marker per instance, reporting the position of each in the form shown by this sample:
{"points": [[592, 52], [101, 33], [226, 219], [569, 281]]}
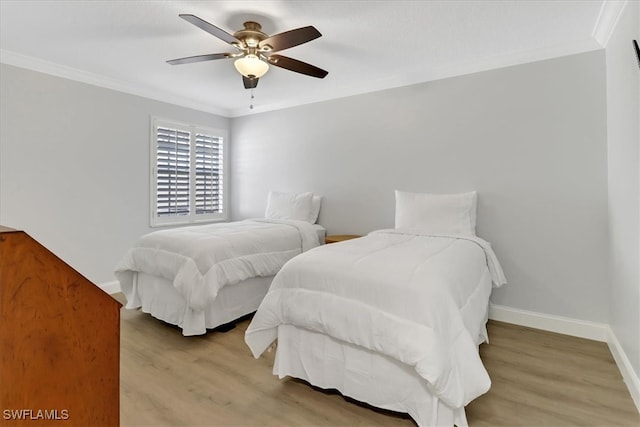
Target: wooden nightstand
{"points": [[340, 237]]}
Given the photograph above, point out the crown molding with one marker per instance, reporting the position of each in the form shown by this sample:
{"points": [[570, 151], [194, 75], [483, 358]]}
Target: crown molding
{"points": [[63, 71], [607, 20], [408, 78], [405, 78]]}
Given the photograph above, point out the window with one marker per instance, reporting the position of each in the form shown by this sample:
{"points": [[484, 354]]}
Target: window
{"points": [[187, 173]]}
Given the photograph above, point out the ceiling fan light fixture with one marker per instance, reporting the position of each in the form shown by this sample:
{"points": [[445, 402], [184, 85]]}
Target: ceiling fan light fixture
{"points": [[251, 66], [254, 50]]}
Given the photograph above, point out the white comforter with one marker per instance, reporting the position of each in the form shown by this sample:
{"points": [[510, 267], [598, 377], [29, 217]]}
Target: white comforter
{"points": [[398, 292], [202, 259]]}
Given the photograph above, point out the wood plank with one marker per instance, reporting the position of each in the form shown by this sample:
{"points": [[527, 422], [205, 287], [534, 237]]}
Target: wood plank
{"points": [[539, 378], [546, 379], [59, 340]]}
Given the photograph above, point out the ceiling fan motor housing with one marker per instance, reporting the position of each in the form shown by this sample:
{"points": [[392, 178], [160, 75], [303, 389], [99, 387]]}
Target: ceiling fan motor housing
{"points": [[251, 35]]}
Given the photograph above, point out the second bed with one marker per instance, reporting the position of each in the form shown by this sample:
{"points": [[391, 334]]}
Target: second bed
{"points": [[393, 319]]}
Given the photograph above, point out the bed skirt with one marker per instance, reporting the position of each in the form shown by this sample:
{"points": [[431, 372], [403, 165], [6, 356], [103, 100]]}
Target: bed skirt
{"points": [[158, 297], [358, 373]]}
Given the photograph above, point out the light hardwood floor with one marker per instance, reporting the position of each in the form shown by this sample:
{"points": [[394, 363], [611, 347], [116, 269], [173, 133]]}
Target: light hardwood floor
{"points": [[539, 379]]}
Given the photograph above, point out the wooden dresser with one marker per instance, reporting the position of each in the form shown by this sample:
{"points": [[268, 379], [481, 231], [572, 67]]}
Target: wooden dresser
{"points": [[59, 341]]}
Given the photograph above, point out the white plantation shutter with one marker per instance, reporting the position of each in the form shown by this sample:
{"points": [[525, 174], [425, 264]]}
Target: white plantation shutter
{"points": [[188, 173], [209, 174], [172, 172]]}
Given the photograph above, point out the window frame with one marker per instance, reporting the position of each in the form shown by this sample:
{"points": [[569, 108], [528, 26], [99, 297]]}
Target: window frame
{"points": [[192, 217]]}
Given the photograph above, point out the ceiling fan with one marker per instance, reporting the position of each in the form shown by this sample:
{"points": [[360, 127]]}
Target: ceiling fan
{"points": [[255, 50]]}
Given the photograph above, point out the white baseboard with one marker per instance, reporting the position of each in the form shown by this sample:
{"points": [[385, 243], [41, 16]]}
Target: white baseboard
{"points": [[629, 376], [110, 287], [577, 328], [547, 322]]}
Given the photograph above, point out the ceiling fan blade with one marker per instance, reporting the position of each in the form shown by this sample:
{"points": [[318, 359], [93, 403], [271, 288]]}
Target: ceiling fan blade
{"points": [[297, 66], [250, 83], [290, 38], [210, 28], [199, 58]]}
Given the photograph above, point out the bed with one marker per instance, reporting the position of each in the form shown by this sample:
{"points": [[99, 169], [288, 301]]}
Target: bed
{"points": [[393, 319], [201, 277]]}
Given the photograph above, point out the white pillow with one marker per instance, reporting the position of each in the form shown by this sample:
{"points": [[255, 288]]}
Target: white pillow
{"points": [[315, 209], [289, 206], [437, 213]]}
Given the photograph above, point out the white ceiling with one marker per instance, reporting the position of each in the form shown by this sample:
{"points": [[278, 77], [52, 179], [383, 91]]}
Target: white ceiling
{"points": [[366, 45]]}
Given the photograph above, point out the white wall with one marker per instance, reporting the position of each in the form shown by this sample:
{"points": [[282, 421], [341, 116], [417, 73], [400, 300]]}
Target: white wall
{"points": [[74, 165], [623, 134], [556, 163], [531, 139]]}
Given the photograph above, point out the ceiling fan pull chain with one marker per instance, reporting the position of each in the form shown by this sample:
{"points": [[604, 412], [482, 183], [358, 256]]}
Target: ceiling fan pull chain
{"points": [[251, 100]]}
